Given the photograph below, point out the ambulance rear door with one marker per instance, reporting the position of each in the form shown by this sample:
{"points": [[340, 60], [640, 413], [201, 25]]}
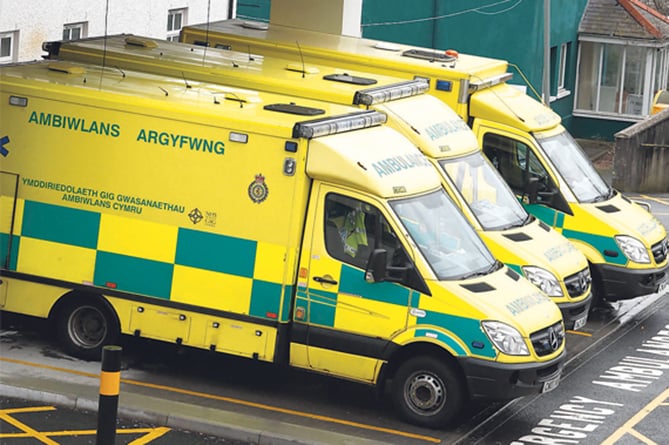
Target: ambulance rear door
{"points": [[9, 243]]}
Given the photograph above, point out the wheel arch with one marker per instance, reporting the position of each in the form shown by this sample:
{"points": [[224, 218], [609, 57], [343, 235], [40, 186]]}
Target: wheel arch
{"points": [[84, 323], [416, 349], [73, 296]]}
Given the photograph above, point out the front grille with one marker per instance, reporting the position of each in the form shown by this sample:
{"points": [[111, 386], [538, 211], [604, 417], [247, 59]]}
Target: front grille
{"points": [[660, 250], [548, 340], [578, 283]]}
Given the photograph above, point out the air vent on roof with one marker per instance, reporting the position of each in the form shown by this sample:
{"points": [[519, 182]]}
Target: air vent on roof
{"points": [[255, 25], [292, 108], [433, 56], [141, 42], [347, 78], [66, 68], [387, 46]]}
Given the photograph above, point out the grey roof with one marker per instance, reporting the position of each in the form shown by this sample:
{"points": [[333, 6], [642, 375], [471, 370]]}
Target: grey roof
{"points": [[610, 19]]}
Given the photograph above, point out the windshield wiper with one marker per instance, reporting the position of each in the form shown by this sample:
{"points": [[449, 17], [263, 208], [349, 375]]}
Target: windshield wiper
{"points": [[493, 267], [472, 275], [528, 218], [611, 193], [605, 196]]}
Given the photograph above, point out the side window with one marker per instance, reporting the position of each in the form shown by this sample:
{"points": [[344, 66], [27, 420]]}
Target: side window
{"points": [[509, 157], [521, 169], [353, 229], [529, 161], [347, 237], [515, 161]]}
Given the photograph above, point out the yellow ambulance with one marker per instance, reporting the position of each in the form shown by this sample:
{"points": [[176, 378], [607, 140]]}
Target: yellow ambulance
{"points": [[522, 242], [625, 245], [255, 224]]}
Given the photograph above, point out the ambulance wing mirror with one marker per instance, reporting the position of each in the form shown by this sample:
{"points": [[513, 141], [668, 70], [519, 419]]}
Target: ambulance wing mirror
{"points": [[376, 266], [407, 275], [542, 190], [532, 190]]}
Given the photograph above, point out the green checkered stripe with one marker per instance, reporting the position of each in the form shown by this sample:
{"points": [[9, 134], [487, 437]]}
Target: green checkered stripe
{"points": [[195, 249], [323, 307], [556, 220]]}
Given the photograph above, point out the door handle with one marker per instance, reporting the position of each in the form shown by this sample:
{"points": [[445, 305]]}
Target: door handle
{"points": [[324, 280]]}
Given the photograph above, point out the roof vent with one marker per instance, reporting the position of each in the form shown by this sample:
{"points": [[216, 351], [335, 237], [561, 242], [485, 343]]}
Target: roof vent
{"points": [[66, 68], [432, 56], [347, 78], [141, 42], [255, 25], [293, 108]]}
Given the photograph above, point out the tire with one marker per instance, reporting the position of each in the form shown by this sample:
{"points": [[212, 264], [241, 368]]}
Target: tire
{"points": [[84, 326], [428, 392]]}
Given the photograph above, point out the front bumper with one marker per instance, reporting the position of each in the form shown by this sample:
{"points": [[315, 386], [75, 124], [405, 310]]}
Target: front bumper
{"points": [[619, 283], [575, 312], [503, 381]]}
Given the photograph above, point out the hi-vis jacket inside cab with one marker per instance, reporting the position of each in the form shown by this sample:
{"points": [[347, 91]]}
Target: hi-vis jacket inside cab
{"points": [[626, 246], [522, 242], [275, 228]]}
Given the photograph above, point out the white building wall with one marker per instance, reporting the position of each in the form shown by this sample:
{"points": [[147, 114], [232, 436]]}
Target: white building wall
{"points": [[41, 20], [330, 16]]}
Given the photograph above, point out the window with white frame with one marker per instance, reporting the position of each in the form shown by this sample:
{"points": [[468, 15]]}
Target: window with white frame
{"points": [[176, 18], [74, 31], [559, 60], [8, 45], [562, 69], [618, 78]]}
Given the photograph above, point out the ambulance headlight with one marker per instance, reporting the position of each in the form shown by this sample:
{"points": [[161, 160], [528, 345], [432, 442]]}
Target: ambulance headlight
{"points": [[544, 280], [633, 249], [505, 338]]}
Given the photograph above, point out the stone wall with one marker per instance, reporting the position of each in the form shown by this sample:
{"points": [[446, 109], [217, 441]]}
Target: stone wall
{"points": [[641, 156]]}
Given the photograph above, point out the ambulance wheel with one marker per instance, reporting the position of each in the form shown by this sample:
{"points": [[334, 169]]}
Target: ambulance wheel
{"points": [[85, 326], [428, 392]]}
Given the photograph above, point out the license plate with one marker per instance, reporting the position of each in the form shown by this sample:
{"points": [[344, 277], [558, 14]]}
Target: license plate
{"points": [[664, 287], [580, 322], [551, 384]]}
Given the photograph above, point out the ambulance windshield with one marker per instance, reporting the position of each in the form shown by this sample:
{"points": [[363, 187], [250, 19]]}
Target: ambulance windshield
{"points": [[444, 237], [575, 168], [493, 203]]}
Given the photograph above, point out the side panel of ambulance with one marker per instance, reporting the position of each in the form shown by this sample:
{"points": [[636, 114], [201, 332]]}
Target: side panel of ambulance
{"points": [[151, 215], [190, 227], [524, 244]]}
